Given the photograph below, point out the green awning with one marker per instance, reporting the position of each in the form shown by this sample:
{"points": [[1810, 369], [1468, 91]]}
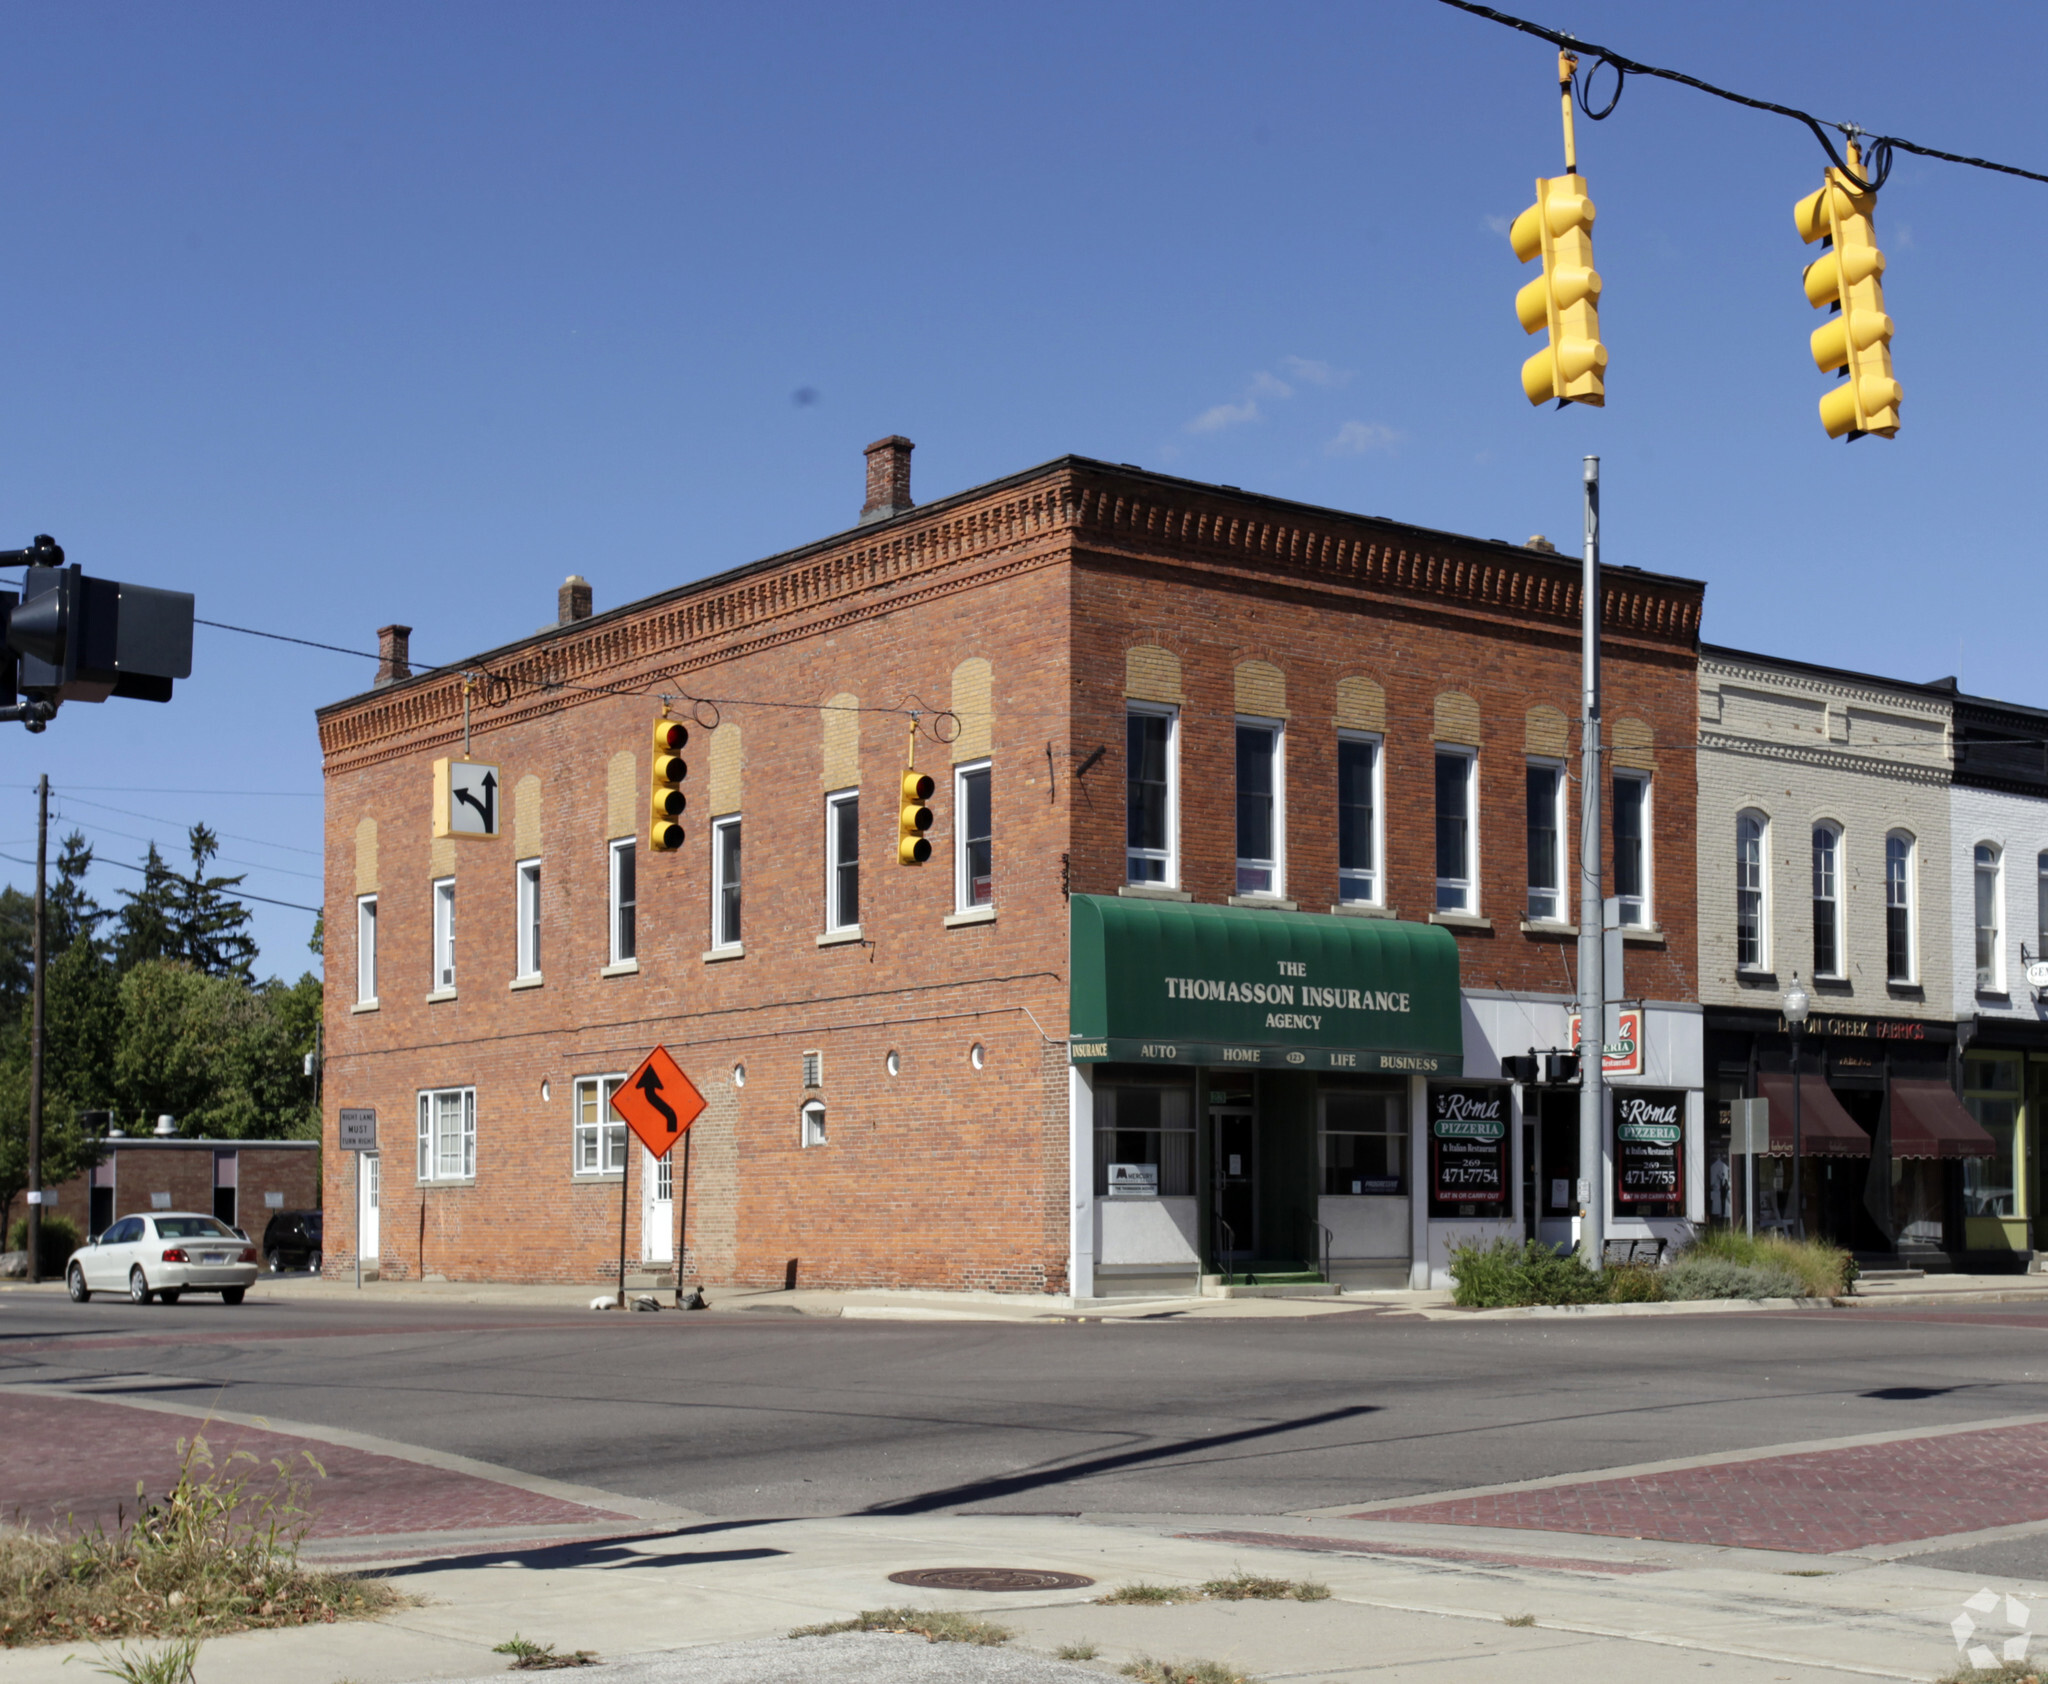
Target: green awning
{"points": [[1164, 982]]}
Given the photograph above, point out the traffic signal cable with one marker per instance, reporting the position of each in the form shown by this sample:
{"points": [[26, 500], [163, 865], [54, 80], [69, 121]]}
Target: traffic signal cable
{"points": [[1878, 148]]}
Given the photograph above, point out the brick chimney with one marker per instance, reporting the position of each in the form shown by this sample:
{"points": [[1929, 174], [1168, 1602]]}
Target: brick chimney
{"points": [[888, 478], [572, 601], [394, 653]]}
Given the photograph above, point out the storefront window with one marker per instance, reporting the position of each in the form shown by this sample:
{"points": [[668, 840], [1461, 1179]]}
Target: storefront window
{"points": [[1148, 1134], [1365, 1140], [1992, 1092]]}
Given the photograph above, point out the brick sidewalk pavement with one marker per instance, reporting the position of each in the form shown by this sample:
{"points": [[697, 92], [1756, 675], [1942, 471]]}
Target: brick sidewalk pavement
{"points": [[79, 1459], [1816, 1503]]}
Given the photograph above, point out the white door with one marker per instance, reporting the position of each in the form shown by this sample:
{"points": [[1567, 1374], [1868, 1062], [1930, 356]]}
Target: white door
{"points": [[657, 1207], [370, 1196]]}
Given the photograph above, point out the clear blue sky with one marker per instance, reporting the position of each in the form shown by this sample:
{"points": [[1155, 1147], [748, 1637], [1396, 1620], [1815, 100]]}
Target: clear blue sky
{"points": [[338, 315]]}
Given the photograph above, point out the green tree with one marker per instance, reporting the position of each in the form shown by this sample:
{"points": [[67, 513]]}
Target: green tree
{"points": [[219, 1056], [147, 927], [211, 925]]}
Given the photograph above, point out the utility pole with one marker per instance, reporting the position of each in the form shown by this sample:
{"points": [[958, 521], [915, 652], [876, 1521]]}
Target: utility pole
{"points": [[35, 1045], [1592, 1188]]}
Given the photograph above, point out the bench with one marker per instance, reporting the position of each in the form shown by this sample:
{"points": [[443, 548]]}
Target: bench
{"points": [[1631, 1251]]}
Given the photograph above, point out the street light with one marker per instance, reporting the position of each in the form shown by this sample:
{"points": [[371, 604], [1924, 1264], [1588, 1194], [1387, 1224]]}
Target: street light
{"points": [[1796, 1003]]}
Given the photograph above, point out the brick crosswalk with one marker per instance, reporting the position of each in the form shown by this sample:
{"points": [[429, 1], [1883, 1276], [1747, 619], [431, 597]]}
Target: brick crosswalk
{"points": [[1816, 1502]]}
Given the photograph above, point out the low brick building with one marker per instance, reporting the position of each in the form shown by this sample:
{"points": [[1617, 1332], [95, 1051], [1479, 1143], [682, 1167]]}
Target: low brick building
{"points": [[240, 1181], [1177, 730]]}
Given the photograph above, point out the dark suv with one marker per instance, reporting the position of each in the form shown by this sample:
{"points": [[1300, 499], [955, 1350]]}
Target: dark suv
{"points": [[292, 1241]]}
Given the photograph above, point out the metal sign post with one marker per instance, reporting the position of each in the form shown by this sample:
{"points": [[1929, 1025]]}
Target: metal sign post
{"points": [[1749, 1136], [657, 1103], [357, 1132]]}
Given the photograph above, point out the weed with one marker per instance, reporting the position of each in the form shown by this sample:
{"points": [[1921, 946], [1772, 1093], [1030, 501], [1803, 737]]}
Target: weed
{"points": [[528, 1656], [209, 1556], [1076, 1652], [171, 1664], [1634, 1283], [1247, 1587], [2006, 1672], [1518, 1619], [932, 1625], [1143, 1593], [1148, 1671], [1808, 1573]]}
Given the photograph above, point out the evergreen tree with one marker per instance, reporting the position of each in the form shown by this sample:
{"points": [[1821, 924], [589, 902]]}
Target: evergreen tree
{"points": [[148, 924], [69, 911], [211, 926]]}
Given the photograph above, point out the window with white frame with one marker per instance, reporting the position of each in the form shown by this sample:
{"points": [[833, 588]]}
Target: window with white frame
{"points": [[1752, 928], [447, 1138], [1456, 889], [1261, 821], [1358, 819], [444, 933], [725, 882], [1827, 900], [526, 882], [366, 949], [1149, 795], [973, 838], [599, 1138], [842, 860], [1632, 847], [1990, 922], [624, 900], [1545, 804], [814, 1123], [1899, 956]]}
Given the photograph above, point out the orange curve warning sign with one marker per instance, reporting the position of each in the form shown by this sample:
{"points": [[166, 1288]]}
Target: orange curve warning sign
{"points": [[658, 1102]]}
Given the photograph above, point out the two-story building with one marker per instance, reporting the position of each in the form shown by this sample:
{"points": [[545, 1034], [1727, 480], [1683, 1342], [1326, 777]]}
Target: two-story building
{"points": [[1253, 856]]}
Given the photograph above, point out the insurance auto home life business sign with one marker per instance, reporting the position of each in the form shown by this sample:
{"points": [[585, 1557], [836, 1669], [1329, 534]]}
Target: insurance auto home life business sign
{"points": [[1170, 983]]}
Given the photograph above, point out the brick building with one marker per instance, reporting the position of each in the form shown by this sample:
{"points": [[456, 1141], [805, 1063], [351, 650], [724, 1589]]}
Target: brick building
{"points": [[240, 1181], [1251, 862]]}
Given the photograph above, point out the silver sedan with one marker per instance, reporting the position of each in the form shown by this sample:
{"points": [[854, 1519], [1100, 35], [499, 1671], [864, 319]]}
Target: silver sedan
{"points": [[164, 1255]]}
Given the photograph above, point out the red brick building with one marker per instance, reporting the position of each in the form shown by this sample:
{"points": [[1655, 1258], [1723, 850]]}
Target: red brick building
{"points": [[243, 1182], [1164, 719]]}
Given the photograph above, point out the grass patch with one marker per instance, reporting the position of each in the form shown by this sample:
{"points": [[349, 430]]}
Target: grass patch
{"points": [[171, 1664], [1076, 1652], [1788, 1268], [931, 1625], [2005, 1672], [1518, 1619], [1247, 1587], [210, 1556], [1148, 1671], [528, 1656], [1141, 1594]]}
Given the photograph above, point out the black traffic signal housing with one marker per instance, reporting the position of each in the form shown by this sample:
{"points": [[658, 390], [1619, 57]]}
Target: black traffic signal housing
{"points": [[914, 818], [73, 638], [1560, 1069], [666, 800], [1522, 1068]]}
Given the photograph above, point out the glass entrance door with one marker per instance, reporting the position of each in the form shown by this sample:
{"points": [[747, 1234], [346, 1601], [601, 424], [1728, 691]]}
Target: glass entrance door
{"points": [[1236, 1180]]}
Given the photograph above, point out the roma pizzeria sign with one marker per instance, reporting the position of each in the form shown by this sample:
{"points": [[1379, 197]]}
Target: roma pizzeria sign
{"points": [[1173, 983]]}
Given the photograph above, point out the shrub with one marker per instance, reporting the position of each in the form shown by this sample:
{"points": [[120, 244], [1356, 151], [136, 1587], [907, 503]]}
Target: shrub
{"points": [[1505, 1272], [1822, 1270], [1634, 1283], [60, 1240], [1716, 1277]]}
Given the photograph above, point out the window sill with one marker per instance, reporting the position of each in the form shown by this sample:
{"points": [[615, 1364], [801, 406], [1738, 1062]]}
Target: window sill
{"points": [[973, 915], [1894, 985], [1363, 909], [1272, 903], [1834, 984], [1462, 921], [533, 981], [593, 1177], [1756, 979], [834, 938], [625, 967], [1548, 927], [2002, 996], [1152, 891], [364, 1006], [448, 1181], [440, 994], [1642, 935], [736, 951]]}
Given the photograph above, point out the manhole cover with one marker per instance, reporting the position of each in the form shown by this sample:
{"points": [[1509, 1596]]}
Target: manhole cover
{"points": [[988, 1578]]}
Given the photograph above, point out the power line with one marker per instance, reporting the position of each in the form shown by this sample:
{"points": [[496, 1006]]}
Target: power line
{"points": [[158, 818], [232, 894], [101, 828], [1879, 146]]}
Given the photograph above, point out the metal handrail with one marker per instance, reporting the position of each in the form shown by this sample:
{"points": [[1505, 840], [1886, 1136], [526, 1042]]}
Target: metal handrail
{"points": [[1328, 1239], [1223, 1254]]}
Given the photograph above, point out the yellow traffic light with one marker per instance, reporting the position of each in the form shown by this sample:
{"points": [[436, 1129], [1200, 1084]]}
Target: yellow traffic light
{"points": [[913, 847], [666, 799], [1565, 298], [1857, 339]]}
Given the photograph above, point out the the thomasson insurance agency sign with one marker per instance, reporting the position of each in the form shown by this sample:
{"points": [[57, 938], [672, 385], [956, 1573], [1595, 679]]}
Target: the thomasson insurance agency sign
{"points": [[1161, 982]]}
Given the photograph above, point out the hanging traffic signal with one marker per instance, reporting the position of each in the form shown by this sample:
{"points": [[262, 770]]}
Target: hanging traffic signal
{"points": [[1564, 300], [913, 847], [1857, 338], [665, 830]]}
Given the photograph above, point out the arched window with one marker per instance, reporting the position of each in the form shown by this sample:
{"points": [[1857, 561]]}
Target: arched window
{"points": [[1751, 950], [1899, 888], [1990, 951], [1827, 900]]}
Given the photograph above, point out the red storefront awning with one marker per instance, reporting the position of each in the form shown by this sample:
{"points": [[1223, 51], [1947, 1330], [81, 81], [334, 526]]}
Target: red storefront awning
{"points": [[1825, 1129], [1928, 1121]]}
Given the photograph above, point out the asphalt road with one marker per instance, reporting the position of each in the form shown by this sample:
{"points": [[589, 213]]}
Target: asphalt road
{"points": [[754, 1414]]}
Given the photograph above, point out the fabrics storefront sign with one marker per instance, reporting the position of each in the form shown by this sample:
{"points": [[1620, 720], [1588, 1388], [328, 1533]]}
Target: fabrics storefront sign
{"points": [[1468, 1151], [1160, 982], [1649, 1151]]}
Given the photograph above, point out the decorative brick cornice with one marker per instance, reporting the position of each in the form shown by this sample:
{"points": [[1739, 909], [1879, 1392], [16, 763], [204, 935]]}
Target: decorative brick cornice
{"points": [[1825, 759], [1715, 670]]}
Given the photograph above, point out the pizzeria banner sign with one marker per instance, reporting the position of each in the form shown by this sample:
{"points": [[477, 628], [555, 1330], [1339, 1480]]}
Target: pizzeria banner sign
{"points": [[1468, 1150]]}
